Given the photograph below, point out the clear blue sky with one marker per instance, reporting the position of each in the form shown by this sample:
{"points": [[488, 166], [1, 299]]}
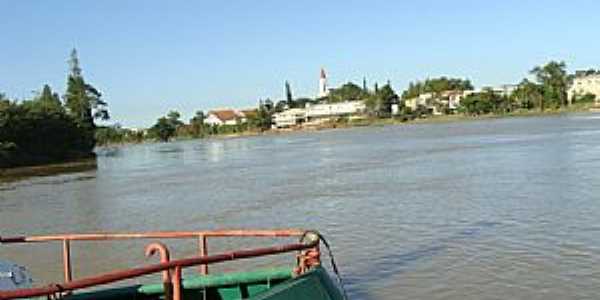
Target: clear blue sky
{"points": [[148, 57]]}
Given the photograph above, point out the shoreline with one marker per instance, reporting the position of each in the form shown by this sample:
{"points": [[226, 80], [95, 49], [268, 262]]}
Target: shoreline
{"points": [[370, 122], [89, 164], [74, 166]]}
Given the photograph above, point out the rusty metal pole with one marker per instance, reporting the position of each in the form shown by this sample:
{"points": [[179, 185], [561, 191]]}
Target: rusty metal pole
{"points": [[165, 257], [67, 260], [176, 281], [203, 245]]}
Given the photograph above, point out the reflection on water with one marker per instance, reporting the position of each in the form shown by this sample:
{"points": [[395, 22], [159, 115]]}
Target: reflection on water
{"points": [[498, 209]]}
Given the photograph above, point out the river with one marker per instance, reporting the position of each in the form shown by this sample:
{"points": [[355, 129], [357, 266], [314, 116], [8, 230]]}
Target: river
{"points": [[492, 209]]}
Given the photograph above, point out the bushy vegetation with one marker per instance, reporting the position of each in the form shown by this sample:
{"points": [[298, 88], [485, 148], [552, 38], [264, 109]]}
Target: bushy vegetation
{"points": [[44, 130], [486, 102], [436, 85]]}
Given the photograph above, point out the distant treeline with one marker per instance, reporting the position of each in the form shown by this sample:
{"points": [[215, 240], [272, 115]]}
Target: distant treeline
{"points": [[47, 130]]}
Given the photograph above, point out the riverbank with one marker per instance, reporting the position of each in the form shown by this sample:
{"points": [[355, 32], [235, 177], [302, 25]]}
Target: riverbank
{"points": [[88, 164], [17, 173], [365, 122], [576, 108]]}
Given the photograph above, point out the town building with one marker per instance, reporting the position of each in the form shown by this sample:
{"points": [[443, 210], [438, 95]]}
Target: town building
{"points": [[585, 84], [433, 102], [424, 100], [339, 109], [224, 117], [289, 118], [317, 113]]}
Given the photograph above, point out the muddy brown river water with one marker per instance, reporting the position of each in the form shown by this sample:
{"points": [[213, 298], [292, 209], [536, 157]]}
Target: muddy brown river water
{"points": [[494, 209]]}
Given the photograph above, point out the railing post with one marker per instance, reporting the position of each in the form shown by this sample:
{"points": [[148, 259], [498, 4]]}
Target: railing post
{"points": [[67, 260], [176, 281], [203, 245]]}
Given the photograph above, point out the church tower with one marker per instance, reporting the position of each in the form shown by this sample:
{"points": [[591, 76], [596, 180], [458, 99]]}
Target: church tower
{"points": [[323, 92]]}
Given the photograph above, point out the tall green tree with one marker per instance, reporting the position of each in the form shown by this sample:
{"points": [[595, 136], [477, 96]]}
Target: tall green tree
{"points": [[83, 101], [288, 94], [554, 80]]}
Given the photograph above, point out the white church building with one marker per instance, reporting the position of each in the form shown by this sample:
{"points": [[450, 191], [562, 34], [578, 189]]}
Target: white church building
{"points": [[317, 113], [323, 91]]}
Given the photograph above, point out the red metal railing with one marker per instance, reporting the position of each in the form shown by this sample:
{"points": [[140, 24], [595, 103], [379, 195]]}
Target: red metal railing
{"points": [[170, 268], [202, 237]]}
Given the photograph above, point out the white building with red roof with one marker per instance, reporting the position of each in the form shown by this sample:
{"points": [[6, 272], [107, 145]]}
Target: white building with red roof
{"points": [[225, 117]]}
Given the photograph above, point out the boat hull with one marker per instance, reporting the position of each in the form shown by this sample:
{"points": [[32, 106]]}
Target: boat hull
{"points": [[269, 284]]}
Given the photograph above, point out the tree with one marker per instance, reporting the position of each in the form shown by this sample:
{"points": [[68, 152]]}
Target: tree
{"points": [[173, 118], [84, 102], [380, 103], [48, 99], [346, 92], [33, 132], [164, 129], [281, 106], [436, 86], [263, 118], [268, 104], [288, 94], [554, 81], [197, 124], [386, 96], [528, 95], [301, 102], [198, 118], [485, 102]]}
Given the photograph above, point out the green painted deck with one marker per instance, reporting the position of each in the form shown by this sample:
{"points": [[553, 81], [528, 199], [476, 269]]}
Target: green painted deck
{"points": [[266, 284]]}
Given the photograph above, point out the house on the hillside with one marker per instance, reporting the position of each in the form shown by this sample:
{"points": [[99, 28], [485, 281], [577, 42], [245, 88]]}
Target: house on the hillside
{"points": [[225, 117]]}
